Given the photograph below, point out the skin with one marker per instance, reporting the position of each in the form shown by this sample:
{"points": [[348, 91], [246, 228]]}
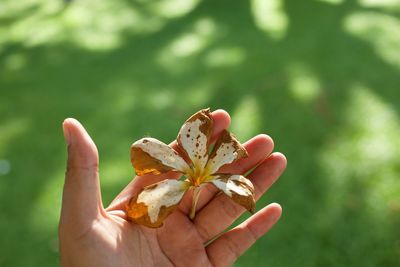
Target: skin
{"points": [[91, 235]]}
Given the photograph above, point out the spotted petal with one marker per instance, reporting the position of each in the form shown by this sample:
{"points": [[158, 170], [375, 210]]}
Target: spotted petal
{"points": [[155, 202], [194, 137], [226, 150], [238, 188], [149, 155]]}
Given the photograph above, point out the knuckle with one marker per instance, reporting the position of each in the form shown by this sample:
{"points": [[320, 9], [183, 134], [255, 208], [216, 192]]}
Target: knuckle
{"points": [[233, 247], [231, 209], [204, 232], [90, 167]]}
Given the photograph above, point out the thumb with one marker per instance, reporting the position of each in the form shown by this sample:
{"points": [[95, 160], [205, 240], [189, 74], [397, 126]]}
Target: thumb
{"points": [[81, 202]]}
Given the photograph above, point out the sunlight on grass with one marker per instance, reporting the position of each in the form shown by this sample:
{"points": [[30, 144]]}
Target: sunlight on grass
{"points": [[173, 8], [94, 25], [365, 152], [333, 2], [225, 57], [134, 68], [10, 130], [270, 17], [193, 42], [46, 209], [126, 98], [8, 7], [386, 4], [197, 95], [114, 173], [15, 62], [303, 84], [5, 167], [44, 213], [382, 31], [246, 118], [161, 99], [36, 22], [28, 9], [188, 44], [98, 25]]}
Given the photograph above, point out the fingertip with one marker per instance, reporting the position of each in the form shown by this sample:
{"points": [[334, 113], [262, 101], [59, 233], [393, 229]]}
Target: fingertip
{"points": [[267, 216], [81, 149], [281, 159], [221, 112], [76, 129], [72, 124], [276, 210], [275, 206], [223, 118], [264, 139], [68, 120], [259, 146], [261, 222]]}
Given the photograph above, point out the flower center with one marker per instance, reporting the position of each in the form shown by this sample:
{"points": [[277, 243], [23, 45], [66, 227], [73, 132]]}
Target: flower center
{"points": [[198, 175]]}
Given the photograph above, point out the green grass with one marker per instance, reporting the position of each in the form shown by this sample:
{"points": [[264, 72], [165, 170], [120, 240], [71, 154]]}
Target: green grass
{"points": [[321, 77]]}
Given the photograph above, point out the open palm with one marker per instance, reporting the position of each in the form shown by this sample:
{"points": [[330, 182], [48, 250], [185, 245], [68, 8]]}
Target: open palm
{"points": [[93, 236]]}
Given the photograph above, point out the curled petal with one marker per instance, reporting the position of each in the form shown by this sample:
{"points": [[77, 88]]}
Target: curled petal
{"points": [[194, 137], [149, 155], [226, 150], [155, 202], [237, 187]]}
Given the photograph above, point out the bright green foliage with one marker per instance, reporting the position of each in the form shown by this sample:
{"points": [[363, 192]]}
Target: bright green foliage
{"points": [[320, 76]]}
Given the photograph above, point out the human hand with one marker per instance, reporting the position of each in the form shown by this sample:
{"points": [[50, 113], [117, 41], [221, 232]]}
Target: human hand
{"points": [[93, 236]]}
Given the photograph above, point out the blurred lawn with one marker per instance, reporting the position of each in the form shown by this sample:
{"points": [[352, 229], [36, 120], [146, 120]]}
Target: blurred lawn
{"points": [[321, 77]]}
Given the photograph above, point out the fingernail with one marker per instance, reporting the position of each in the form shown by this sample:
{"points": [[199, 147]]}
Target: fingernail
{"points": [[67, 135]]}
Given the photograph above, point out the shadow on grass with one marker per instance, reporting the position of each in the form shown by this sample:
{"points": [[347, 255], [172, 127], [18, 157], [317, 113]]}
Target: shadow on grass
{"points": [[144, 87]]}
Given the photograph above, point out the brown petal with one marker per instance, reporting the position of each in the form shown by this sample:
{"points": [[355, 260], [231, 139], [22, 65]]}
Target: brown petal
{"points": [[226, 150], [239, 188], [155, 202], [149, 155], [194, 137]]}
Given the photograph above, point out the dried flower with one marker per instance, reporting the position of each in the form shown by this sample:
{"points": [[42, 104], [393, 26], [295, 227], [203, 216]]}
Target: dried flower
{"points": [[152, 205]]}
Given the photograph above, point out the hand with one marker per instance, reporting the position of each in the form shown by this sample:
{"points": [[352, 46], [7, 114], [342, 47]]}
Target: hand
{"points": [[93, 236]]}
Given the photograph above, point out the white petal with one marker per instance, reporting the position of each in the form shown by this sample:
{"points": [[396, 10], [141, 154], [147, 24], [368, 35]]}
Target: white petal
{"points": [[238, 188], [149, 155], [227, 150], [194, 137], [153, 205]]}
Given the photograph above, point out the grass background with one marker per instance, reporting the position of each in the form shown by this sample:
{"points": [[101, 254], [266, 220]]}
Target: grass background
{"points": [[321, 77]]}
